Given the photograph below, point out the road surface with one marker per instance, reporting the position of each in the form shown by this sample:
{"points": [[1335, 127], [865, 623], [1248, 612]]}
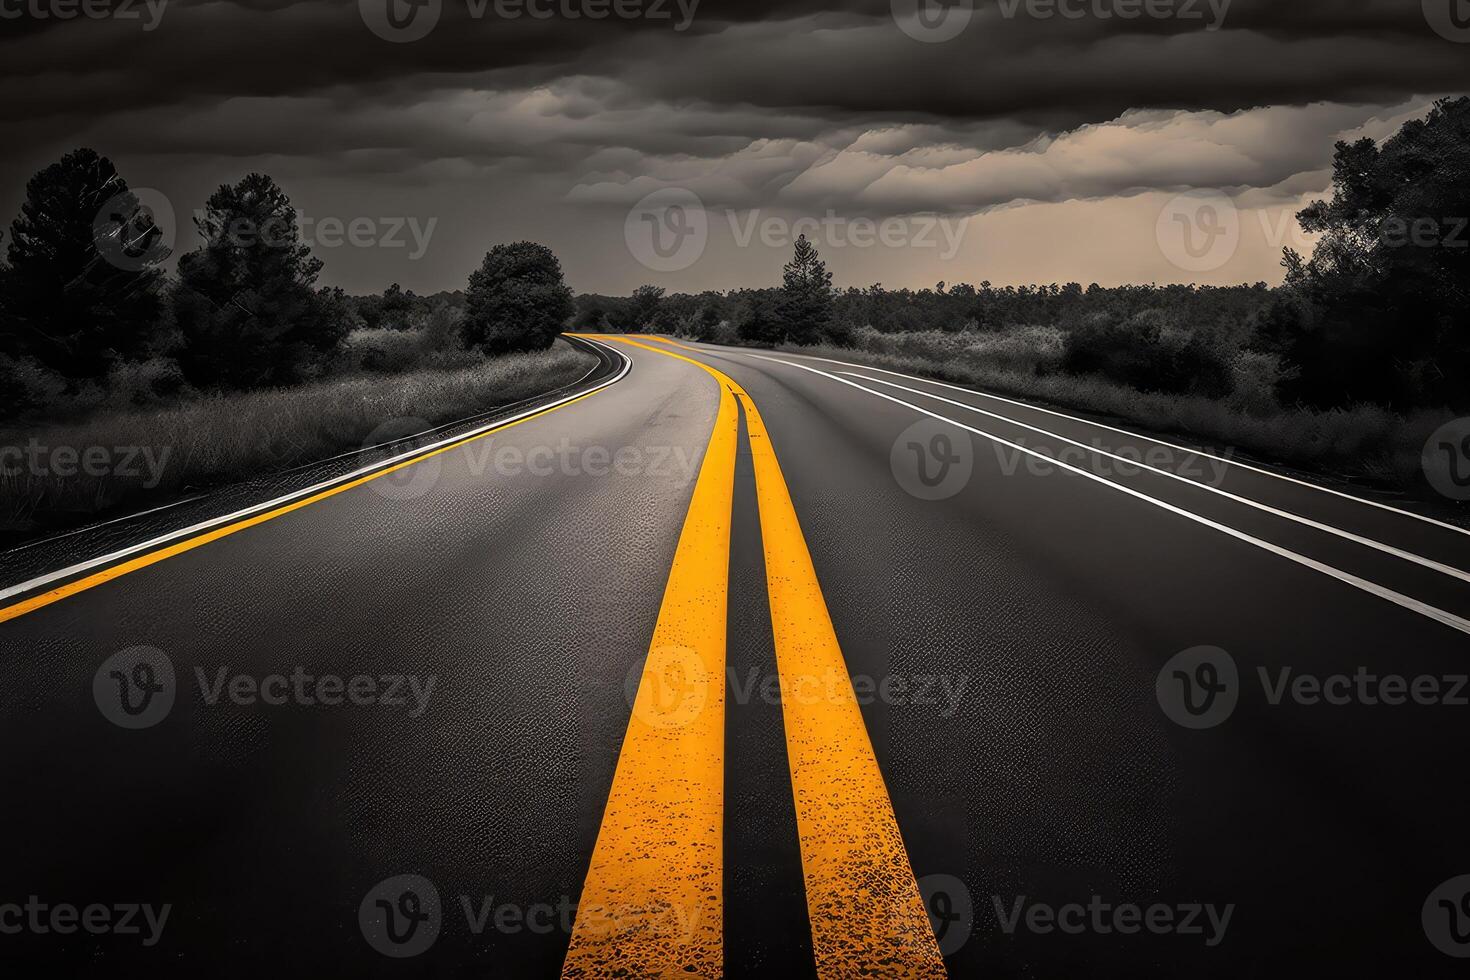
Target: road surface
{"points": [[767, 666]]}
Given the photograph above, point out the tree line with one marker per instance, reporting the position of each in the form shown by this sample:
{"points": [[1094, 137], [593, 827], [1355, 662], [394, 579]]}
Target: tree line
{"points": [[83, 292], [1376, 315]]}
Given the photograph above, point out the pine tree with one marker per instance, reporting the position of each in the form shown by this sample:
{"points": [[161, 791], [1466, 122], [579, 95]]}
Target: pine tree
{"points": [[805, 308], [81, 288], [244, 304]]}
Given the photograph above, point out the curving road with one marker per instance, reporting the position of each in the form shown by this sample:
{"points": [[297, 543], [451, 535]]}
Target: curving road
{"points": [[770, 665]]}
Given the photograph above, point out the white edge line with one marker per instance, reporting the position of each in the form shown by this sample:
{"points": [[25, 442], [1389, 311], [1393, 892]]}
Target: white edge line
{"points": [[1387, 549], [272, 504], [1135, 435], [1414, 605], [101, 524]]}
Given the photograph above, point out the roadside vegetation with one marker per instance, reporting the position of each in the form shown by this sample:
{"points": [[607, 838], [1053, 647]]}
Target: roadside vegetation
{"points": [[1346, 368], [236, 365], [159, 453]]}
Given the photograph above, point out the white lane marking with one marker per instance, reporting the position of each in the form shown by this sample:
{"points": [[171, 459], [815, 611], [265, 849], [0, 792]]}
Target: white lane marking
{"points": [[1154, 439], [1387, 549], [152, 543], [1414, 605]]}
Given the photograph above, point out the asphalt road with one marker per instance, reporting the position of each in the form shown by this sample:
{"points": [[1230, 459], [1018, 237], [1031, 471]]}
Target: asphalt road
{"points": [[1092, 691]]}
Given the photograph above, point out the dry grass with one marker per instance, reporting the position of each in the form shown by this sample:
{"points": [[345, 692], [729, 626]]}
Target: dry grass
{"points": [[227, 438], [1365, 442]]}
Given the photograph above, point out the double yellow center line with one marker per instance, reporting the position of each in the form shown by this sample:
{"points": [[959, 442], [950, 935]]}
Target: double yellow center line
{"points": [[652, 905]]}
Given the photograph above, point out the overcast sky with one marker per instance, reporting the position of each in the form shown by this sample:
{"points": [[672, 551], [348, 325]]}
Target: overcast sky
{"points": [[997, 143]]}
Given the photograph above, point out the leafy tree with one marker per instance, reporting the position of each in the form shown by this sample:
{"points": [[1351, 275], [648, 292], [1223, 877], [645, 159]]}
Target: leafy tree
{"points": [[805, 309], [761, 324], [592, 314], [1377, 312], [707, 326], [397, 306], [81, 290], [517, 300], [244, 305], [643, 308]]}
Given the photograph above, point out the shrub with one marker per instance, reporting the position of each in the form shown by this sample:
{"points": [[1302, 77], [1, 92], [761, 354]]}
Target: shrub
{"points": [[133, 384], [1364, 439], [1255, 380], [27, 388], [1017, 349], [384, 350], [1149, 353]]}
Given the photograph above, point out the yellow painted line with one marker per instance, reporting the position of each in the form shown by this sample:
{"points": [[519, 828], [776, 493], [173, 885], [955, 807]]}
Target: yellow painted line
{"points": [[653, 901], [867, 915], [44, 599]]}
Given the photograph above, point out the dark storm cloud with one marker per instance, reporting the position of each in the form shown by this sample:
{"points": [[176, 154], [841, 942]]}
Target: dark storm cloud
{"points": [[845, 57], [797, 103]]}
